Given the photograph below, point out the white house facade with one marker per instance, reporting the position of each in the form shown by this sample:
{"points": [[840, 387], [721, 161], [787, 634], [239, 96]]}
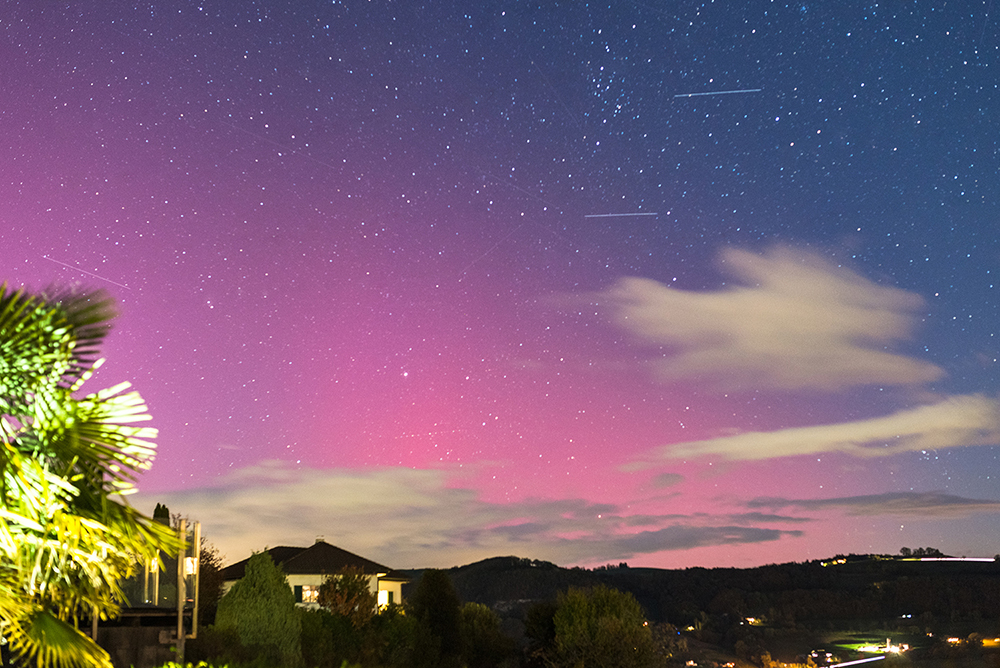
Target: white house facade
{"points": [[307, 567]]}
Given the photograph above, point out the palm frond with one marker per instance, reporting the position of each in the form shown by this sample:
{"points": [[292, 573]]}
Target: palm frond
{"points": [[67, 537]]}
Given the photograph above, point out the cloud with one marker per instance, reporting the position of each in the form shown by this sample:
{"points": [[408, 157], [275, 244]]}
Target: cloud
{"points": [[667, 480], [760, 518], [795, 322], [413, 518], [686, 537], [922, 504], [955, 422]]}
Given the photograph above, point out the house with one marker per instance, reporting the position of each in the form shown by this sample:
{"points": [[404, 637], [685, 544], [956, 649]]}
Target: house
{"points": [[307, 567]]}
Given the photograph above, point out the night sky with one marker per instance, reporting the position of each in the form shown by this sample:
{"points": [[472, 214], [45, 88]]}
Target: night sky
{"points": [[671, 283]]}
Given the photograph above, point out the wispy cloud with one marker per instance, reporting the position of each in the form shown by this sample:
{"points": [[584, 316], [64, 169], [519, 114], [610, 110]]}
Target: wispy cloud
{"points": [[923, 504], [955, 422], [411, 518], [670, 537], [793, 321], [664, 480]]}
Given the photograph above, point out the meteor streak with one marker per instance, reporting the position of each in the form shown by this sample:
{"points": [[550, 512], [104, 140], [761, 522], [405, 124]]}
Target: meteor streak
{"points": [[722, 92], [84, 271], [618, 215]]}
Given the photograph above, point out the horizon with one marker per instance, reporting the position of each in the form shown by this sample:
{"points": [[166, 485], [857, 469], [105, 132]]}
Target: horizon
{"points": [[626, 565], [701, 285]]}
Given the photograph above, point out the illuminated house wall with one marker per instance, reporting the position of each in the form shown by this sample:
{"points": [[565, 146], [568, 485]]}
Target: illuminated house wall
{"points": [[307, 567]]}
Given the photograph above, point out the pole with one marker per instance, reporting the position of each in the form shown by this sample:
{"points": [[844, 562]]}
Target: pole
{"points": [[197, 578], [181, 594]]}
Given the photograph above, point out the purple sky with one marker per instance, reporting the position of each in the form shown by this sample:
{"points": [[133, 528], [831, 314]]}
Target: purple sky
{"points": [[692, 285]]}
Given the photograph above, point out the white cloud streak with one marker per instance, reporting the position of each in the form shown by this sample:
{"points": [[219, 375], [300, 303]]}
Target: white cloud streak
{"points": [[955, 422], [920, 504], [795, 321]]}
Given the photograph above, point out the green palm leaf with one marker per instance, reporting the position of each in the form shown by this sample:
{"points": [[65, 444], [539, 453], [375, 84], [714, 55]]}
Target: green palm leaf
{"points": [[67, 537]]}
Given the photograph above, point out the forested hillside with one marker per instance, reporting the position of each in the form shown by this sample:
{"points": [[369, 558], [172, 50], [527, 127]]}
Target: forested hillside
{"points": [[859, 587]]}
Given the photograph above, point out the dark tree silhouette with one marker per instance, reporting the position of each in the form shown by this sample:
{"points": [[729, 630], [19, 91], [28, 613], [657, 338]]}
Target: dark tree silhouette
{"points": [[436, 607]]}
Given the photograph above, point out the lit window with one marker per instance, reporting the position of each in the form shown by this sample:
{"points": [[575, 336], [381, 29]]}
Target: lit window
{"points": [[310, 594]]}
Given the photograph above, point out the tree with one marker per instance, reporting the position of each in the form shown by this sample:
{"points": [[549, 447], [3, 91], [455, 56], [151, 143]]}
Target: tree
{"points": [[209, 581], [483, 643], [349, 594], [396, 636], [161, 514], [435, 606], [260, 607], [540, 627], [601, 627], [66, 536]]}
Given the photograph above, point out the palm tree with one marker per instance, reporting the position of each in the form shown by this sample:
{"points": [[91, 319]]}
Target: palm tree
{"points": [[67, 535]]}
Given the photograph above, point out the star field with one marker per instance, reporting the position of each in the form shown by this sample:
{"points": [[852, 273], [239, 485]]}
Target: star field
{"points": [[692, 285]]}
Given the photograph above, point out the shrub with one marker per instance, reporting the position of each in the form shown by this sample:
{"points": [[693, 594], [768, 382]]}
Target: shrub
{"points": [[261, 608]]}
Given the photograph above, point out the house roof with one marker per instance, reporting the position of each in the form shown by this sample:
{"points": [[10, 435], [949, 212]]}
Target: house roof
{"points": [[318, 558]]}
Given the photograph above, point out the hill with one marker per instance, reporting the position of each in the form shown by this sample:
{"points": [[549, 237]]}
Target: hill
{"points": [[859, 586], [784, 609]]}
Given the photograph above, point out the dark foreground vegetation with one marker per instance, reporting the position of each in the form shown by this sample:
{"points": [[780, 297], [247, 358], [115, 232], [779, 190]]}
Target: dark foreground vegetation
{"points": [[782, 612], [518, 612], [258, 624]]}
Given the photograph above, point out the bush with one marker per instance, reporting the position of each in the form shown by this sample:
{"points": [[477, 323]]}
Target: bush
{"points": [[216, 646], [261, 609], [483, 644], [395, 637], [601, 627]]}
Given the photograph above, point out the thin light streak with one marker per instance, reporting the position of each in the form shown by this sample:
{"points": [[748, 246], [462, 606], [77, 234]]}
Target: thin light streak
{"points": [[854, 663], [618, 215], [461, 276], [84, 271], [722, 92]]}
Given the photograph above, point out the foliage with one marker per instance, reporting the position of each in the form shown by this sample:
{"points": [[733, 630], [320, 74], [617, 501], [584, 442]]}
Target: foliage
{"points": [[217, 646], [395, 635], [348, 593], [328, 640], [319, 650], [601, 627], [539, 624], [161, 514], [209, 581], [906, 552], [668, 640], [483, 643], [435, 606], [261, 608], [66, 537]]}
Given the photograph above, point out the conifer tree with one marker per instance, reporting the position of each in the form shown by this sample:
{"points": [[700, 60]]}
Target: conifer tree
{"points": [[260, 607]]}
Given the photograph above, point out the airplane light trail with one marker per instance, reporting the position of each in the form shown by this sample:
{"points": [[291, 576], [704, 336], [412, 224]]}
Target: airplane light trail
{"points": [[618, 215], [722, 92], [84, 271]]}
